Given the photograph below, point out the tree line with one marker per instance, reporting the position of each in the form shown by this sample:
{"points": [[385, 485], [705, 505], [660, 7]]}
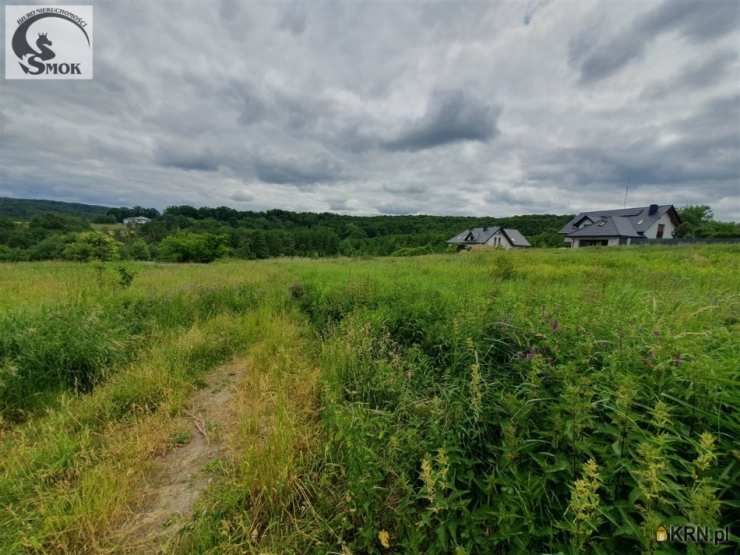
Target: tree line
{"points": [[190, 234]]}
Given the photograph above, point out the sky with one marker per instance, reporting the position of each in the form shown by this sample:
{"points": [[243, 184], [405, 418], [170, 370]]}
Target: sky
{"points": [[450, 108]]}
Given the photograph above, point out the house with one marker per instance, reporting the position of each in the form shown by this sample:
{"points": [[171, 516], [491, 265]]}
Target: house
{"points": [[136, 220], [621, 227], [496, 237]]}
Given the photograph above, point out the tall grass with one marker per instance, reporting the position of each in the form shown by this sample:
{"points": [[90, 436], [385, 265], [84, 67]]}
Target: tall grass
{"points": [[529, 402], [557, 402], [76, 344]]}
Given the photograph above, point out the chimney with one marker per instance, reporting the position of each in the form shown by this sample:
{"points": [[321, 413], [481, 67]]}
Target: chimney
{"points": [[653, 209]]}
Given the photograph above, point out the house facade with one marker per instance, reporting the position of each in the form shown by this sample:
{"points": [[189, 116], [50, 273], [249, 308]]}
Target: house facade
{"points": [[489, 237], [621, 227]]}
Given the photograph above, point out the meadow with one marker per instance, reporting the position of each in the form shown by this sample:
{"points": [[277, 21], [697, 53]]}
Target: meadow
{"points": [[541, 401]]}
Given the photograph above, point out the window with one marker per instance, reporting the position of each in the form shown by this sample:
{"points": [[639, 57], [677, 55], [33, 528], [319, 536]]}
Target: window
{"points": [[661, 229]]}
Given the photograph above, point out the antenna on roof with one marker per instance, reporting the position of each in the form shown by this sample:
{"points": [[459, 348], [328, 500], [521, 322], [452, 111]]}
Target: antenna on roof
{"points": [[626, 191]]}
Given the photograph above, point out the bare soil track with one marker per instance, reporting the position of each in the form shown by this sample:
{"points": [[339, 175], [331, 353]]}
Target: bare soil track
{"points": [[179, 477]]}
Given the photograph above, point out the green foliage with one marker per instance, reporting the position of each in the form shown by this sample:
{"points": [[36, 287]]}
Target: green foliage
{"points": [[571, 409], [137, 249], [69, 347], [192, 247], [537, 401], [698, 221], [125, 276], [251, 235], [76, 345], [25, 209], [92, 245]]}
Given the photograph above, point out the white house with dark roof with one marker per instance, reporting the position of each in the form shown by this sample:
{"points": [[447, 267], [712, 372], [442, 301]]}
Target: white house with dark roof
{"points": [[496, 237], [621, 227]]}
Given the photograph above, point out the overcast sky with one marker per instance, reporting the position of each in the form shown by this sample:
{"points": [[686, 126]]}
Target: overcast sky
{"points": [[481, 108]]}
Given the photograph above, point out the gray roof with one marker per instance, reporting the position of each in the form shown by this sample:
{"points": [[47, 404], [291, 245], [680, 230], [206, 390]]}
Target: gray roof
{"points": [[607, 226], [475, 236], [480, 235], [625, 222], [516, 238]]}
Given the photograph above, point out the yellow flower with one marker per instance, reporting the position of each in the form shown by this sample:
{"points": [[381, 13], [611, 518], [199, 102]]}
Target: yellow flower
{"points": [[384, 538]]}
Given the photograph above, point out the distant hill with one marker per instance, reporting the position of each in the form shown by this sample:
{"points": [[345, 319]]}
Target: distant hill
{"points": [[25, 209]]}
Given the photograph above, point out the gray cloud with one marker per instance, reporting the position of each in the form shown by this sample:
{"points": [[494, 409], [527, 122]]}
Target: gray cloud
{"points": [[699, 21], [294, 18], [185, 157], [694, 76], [534, 6], [447, 108], [597, 59], [451, 116], [241, 196], [292, 171]]}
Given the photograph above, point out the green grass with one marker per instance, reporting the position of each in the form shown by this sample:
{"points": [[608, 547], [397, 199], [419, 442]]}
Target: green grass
{"points": [[528, 402]]}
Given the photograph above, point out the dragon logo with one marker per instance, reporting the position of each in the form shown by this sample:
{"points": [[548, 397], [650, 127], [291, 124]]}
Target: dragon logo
{"points": [[40, 60]]}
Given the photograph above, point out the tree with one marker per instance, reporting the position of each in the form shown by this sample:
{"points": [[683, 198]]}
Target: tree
{"points": [[260, 248], [50, 248], [92, 245], [136, 250], [186, 246]]}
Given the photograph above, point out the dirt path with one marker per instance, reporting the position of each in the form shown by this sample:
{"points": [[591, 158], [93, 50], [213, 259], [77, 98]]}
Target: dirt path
{"points": [[178, 478]]}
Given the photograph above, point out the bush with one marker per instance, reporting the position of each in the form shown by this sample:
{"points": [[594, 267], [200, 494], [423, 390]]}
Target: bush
{"points": [[92, 245], [136, 250], [192, 247]]}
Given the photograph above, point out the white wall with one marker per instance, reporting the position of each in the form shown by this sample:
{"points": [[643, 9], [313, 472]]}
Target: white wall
{"points": [[652, 231], [499, 240]]}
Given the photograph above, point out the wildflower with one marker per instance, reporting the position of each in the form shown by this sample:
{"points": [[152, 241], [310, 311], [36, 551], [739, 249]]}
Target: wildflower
{"points": [[704, 506], [706, 454], [661, 415], [585, 502], [476, 395], [584, 499], [650, 476], [444, 467], [384, 538], [427, 476]]}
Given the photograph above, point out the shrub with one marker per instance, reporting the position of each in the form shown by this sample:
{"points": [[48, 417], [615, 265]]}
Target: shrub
{"points": [[92, 245], [136, 250], [192, 247]]}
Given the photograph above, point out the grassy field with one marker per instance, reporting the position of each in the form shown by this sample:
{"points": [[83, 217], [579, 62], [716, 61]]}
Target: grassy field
{"points": [[547, 401]]}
